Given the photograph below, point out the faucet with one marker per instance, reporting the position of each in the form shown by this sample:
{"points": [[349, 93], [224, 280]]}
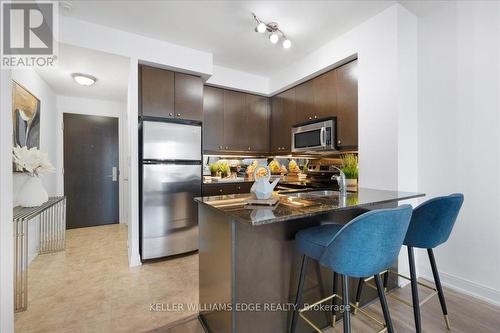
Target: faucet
{"points": [[340, 180]]}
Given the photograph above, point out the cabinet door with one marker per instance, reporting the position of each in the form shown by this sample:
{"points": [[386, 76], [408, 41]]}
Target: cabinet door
{"points": [[157, 92], [277, 120], [347, 106], [289, 120], [257, 120], [213, 119], [234, 121], [188, 97], [304, 102], [325, 98]]}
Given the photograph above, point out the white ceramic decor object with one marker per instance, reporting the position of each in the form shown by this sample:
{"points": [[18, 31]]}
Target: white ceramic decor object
{"points": [[261, 186], [18, 181], [32, 194]]}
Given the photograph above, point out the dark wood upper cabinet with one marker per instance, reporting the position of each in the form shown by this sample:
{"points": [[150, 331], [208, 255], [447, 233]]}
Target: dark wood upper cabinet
{"points": [[277, 119], [257, 120], [325, 94], [234, 121], [213, 119], [282, 119], [166, 94], [188, 97], [304, 102], [157, 92], [347, 106]]}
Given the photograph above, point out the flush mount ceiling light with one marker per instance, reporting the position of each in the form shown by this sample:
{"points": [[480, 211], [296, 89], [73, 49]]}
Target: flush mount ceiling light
{"points": [[273, 30], [83, 79]]}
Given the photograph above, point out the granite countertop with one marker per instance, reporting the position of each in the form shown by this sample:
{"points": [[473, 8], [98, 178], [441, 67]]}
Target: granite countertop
{"points": [[300, 204]]}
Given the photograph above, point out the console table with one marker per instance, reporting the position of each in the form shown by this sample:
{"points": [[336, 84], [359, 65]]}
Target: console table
{"points": [[52, 239]]}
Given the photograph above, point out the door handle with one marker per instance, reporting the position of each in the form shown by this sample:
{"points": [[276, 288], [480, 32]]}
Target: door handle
{"points": [[115, 174]]}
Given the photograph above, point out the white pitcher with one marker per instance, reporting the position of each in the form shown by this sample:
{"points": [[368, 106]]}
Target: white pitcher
{"points": [[261, 186]]}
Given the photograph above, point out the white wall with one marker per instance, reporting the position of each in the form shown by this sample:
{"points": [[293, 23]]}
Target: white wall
{"points": [[6, 203], [97, 37], [98, 107], [459, 137], [237, 80], [29, 79]]}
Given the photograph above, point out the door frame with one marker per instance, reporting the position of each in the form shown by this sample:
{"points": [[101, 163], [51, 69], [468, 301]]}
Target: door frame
{"points": [[123, 186]]}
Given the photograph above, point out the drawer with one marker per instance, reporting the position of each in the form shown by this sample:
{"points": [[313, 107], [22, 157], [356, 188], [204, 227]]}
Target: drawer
{"points": [[228, 188]]}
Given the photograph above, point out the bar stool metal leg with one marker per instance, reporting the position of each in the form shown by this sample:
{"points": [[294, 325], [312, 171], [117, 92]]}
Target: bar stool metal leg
{"points": [[383, 303], [334, 300], [358, 294], [345, 301], [300, 289], [414, 290], [437, 282], [386, 280]]}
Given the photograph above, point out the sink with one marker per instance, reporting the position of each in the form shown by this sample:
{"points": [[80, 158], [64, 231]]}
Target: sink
{"points": [[325, 193]]}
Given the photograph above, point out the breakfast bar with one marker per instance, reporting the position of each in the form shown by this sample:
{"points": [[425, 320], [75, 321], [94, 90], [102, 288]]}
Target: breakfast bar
{"points": [[248, 266]]}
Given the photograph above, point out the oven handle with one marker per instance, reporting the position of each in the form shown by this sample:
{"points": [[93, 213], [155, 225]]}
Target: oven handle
{"points": [[322, 136]]}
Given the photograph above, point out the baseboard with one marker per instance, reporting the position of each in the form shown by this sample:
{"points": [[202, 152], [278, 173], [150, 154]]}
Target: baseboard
{"points": [[134, 260], [467, 287]]}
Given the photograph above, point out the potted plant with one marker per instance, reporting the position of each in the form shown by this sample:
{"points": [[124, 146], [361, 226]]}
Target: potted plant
{"points": [[350, 169], [214, 169], [225, 169], [29, 165]]}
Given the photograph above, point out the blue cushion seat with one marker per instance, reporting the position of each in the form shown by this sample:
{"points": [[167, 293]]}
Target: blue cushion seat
{"points": [[313, 241]]}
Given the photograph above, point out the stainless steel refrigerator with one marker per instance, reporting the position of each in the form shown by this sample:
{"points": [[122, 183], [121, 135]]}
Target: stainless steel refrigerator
{"points": [[171, 178]]}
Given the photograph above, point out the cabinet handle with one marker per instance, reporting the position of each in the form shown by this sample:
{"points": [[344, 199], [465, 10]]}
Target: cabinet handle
{"points": [[239, 187], [170, 114], [249, 148], [220, 147], [178, 115], [339, 142], [310, 118], [227, 147], [279, 148], [315, 117], [220, 190]]}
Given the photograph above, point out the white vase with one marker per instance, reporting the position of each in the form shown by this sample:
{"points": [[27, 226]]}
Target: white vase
{"points": [[18, 181], [32, 193]]}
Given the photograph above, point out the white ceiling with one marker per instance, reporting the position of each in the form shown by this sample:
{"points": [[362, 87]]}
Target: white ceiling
{"points": [[110, 70], [225, 28]]}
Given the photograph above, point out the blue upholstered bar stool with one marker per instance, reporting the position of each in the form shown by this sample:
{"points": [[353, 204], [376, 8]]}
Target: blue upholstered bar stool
{"points": [[365, 246], [431, 224]]}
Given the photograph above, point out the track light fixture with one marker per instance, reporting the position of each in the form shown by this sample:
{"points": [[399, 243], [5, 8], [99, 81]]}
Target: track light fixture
{"points": [[273, 31]]}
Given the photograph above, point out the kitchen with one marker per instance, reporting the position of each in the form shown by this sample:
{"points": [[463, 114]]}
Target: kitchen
{"points": [[240, 127], [260, 141]]}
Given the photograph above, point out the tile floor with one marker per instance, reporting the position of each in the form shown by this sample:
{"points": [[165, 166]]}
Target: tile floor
{"points": [[90, 288]]}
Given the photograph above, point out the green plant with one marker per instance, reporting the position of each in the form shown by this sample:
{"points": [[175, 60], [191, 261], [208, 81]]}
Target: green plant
{"points": [[224, 169], [214, 168], [350, 166]]}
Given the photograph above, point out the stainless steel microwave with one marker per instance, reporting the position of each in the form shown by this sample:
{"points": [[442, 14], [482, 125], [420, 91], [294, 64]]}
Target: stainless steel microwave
{"points": [[319, 135]]}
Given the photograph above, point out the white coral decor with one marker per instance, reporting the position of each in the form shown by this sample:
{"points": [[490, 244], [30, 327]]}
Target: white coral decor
{"points": [[32, 161]]}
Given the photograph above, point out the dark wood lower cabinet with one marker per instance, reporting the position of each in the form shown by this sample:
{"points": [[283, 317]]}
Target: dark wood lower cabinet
{"points": [[227, 188]]}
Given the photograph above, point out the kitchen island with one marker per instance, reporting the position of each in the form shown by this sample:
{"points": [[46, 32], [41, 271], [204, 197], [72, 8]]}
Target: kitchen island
{"points": [[248, 266]]}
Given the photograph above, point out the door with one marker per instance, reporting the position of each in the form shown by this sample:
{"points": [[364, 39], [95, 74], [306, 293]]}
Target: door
{"points": [[91, 170], [213, 119], [188, 97], [257, 118], [304, 100], [325, 94], [169, 212], [234, 120], [347, 106], [157, 92], [171, 141], [277, 120]]}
